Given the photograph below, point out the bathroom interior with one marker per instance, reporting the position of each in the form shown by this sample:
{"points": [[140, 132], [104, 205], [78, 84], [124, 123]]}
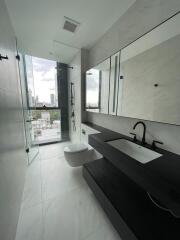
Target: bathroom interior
{"points": [[90, 120]]}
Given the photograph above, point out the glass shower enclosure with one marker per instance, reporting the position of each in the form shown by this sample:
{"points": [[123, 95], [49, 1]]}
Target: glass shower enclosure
{"points": [[30, 136]]}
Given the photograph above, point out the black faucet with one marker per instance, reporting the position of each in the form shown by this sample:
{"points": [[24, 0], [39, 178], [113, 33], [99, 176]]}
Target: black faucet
{"points": [[144, 131]]}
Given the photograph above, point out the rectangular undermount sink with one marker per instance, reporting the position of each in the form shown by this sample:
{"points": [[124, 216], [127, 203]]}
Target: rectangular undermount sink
{"points": [[139, 153]]}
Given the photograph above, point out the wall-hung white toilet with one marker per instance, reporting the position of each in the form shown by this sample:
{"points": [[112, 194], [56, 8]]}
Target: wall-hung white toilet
{"points": [[78, 154]]}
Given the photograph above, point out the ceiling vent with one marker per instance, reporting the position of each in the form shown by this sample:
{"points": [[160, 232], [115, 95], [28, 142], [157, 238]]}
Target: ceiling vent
{"points": [[70, 24]]}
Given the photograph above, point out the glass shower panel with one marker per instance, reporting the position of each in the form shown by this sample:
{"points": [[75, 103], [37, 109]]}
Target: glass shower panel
{"points": [[31, 149], [31, 136]]}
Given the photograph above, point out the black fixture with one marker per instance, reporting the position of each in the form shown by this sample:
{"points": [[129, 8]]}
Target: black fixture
{"points": [[134, 138], [83, 132], [144, 131], [59, 69], [18, 57], [154, 144], [72, 93], [44, 107], [3, 57], [27, 150]]}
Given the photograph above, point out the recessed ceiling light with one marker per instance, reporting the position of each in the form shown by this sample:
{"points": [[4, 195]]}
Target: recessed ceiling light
{"points": [[70, 24]]}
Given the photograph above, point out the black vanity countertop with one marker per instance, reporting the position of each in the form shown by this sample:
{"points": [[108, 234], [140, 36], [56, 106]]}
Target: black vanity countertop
{"points": [[129, 208], [160, 177]]}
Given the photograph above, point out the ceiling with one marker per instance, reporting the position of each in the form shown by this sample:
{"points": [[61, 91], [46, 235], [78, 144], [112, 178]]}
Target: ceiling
{"points": [[38, 24]]}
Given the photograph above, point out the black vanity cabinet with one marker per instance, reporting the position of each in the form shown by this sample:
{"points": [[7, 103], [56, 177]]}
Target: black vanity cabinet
{"points": [[142, 201], [128, 207]]}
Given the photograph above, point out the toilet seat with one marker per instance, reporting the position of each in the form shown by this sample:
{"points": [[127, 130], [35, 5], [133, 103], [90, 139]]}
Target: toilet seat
{"points": [[76, 148], [78, 154]]}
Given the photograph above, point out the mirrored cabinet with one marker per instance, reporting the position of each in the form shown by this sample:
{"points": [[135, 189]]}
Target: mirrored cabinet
{"points": [[142, 80], [114, 76], [151, 75], [120, 90]]}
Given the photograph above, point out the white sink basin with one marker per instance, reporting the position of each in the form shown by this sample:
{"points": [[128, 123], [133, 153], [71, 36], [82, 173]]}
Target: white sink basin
{"points": [[139, 153]]}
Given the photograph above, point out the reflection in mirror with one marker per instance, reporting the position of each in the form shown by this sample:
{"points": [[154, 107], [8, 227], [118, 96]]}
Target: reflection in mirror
{"points": [[104, 70], [114, 76], [92, 90], [151, 70], [97, 87], [120, 93]]}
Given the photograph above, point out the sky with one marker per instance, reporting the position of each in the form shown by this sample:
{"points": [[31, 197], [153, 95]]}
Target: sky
{"points": [[44, 73]]}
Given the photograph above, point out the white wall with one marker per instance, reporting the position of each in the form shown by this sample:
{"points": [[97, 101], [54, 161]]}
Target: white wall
{"points": [[140, 18], [12, 149]]}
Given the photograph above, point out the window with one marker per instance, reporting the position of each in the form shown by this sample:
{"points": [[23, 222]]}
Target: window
{"points": [[43, 103], [42, 82], [46, 125]]}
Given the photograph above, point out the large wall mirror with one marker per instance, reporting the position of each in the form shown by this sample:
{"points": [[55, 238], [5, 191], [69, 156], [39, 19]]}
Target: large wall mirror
{"points": [[151, 75], [148, 85]]}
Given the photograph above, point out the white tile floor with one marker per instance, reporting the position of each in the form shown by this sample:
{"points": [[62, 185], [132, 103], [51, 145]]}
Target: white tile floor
{"points": [[58, 204]]}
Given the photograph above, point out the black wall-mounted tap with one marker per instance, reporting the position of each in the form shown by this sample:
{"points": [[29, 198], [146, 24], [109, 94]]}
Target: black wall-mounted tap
{"points": [[3, 57], [144, 131]]}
